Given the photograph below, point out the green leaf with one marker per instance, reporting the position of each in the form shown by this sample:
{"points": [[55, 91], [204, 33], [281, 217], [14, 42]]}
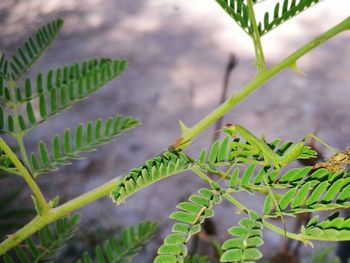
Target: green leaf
{"points": [[44, 156], [268, 205], [232, 255], [301, 195], [64, 150], [183, 217], [124, 247], [51, 241], [65, 91], [281, 15], [197, 209], [248, 173], [213, 152], [249, 238], [32, 48], [287, 198]]}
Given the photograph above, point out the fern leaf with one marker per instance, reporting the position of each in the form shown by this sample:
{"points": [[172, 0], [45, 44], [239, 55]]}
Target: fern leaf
{"points": [[50, 242], [3, 67], [321, 190], [153, 170], [121, 249], [334, 228], [191, 215], [85, 138], [57, 79], [283, 12], [57, 99], [32, 48], [248, 237], [238, 11], [5, 93]]}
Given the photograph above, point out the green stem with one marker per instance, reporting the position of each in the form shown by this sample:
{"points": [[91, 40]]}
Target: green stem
{"points": [[9, 170], [259, 53], [274, 228], [44, 207], [17, 135], [236, 203], [38, 222], [257, 82], [202, 175], [281, 231]]}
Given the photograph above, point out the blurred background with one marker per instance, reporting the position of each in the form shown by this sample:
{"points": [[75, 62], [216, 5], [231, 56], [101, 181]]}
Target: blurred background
{"points": [[177, 53]]}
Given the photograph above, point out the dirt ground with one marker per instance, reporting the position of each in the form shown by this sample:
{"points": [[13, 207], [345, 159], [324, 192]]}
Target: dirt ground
{"points": [[177, 51]]}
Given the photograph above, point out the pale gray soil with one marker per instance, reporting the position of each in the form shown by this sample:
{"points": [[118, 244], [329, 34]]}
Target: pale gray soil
{"points": [[177, 51]]}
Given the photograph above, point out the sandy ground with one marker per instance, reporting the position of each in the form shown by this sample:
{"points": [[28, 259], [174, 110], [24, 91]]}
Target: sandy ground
{"points": [[177, 52]]}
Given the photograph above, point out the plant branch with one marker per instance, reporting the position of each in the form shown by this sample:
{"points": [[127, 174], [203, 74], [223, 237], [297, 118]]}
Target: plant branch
{"points": [[259, 52], [255, 83], [18, 135], [56, 213], [202, 175], [26, 176], [9, 170], [281, 231]]}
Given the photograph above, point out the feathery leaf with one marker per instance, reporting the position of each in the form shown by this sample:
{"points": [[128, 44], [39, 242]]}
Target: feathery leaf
{"points": [[47, 244], [121, 249], [72, 144], [191, 215]]}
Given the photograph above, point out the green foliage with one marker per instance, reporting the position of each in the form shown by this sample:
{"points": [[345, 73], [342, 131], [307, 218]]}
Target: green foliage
{"points": [[86, 137], [157, 168], [316, 191], [243, 165], [35, 102], [282, 13], [60, 95], [331, 229], [248, 237], [121, 249], [31, 50], [3, 68], [191, 215], [238, 10], [50, 240]]}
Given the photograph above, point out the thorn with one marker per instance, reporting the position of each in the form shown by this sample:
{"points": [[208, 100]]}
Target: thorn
{"points": [[296, 69], [183, 127]]}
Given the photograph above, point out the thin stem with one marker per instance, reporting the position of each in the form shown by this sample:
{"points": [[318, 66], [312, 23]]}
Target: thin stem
{"points": [[257, 82], [281, 231], [274, 228], [9, 170], [202, 175], [55, 213], [44, 207], [259, 52], [23, 150], [236, 203], [17, 135]]}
